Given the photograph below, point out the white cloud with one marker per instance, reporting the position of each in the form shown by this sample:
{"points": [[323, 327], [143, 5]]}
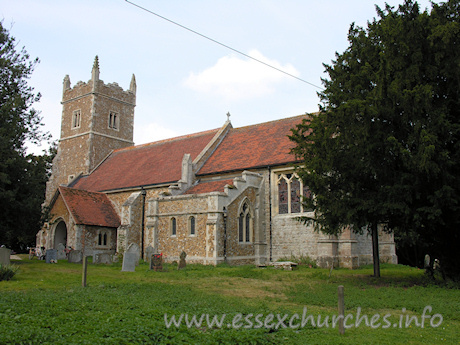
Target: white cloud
{"points": [[152, 132], [235, 78]]}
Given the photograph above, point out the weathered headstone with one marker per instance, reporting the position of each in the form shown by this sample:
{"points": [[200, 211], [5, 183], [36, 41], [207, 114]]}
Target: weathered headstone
{"points": [[427, 263], [182, 262], [102, 258], [5, 256], [51, 256], [148, 252], [134, 248], [131, 258], [61, 255], [75, 256], [156, 262]]}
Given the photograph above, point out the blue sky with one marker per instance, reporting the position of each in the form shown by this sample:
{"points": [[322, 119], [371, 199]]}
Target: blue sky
{"points": [[185, 83]]}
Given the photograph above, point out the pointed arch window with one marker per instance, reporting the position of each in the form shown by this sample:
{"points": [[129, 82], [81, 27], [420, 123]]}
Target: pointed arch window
{"points": [[192, 225], [173, 226], [245, 223], [291, 193], [102, 238]]}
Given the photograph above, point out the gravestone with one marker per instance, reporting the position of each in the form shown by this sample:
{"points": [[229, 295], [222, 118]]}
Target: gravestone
{"points": [[75, 256], [427, 261], [156, 262], [182, 262], [131, 258], [102, 258], [148, 252], [61, 252], [5, 256], [51, 256]]}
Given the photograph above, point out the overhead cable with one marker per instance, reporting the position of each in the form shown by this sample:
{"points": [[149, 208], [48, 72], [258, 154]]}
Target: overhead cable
{"points": [[221, 44]]}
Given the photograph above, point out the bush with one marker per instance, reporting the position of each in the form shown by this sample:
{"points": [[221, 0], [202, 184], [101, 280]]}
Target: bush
{"points": [[7, 272]]}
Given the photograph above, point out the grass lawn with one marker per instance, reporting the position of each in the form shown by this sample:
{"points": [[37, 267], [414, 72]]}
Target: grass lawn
{"points": [[45, 304]]}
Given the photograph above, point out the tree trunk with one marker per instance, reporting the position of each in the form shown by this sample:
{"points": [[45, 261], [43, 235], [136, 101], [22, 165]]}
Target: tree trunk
{"points": [[375, 250]]}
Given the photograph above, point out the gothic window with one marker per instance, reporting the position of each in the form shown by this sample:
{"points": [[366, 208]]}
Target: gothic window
{"points": [[244, 224], [173, 226], [192, 225], [291, 193], [283, 196], [113, 120], [76, 119], [102, 238]]}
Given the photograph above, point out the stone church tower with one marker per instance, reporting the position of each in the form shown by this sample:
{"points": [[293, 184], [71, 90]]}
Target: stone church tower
{"points": [[97, 118]]}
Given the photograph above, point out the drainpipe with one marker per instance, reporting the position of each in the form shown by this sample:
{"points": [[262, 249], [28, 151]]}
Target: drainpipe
{"points": [[270, 213], [143, 192], [225, 233]]}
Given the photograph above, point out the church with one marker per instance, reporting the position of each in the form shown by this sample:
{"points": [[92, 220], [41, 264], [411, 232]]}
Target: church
{"points": [[221, 195]]}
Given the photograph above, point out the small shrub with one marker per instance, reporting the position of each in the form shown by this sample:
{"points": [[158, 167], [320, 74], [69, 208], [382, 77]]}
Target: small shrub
{"points": [[7, 272]]}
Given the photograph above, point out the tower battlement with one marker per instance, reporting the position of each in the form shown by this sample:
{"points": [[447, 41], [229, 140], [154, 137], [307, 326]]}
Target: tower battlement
{"points": [[97, 118]]}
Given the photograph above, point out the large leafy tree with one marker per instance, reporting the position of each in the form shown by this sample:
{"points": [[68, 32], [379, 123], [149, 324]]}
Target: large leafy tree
{"points": [[22, 176], [384, 147]]}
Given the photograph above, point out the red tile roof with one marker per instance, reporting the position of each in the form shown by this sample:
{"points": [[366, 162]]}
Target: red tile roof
{"points": [[149, 164], [211, 186], [264, 144], [90, 208]]}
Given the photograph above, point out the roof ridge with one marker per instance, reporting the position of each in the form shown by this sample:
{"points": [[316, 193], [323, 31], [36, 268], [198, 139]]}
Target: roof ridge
{"points": [[272, 121], [181, 137]]}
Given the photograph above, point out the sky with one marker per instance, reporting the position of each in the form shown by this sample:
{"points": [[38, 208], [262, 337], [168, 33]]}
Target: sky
{"points": [[186, 83]]}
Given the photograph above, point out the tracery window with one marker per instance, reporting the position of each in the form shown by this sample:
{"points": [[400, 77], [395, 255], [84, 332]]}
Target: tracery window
{"points": [[245, 223], [290, 194]]}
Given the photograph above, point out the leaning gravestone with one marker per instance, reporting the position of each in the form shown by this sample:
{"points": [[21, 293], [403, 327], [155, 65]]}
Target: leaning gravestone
{"points": [[75, 256], [156, 262], [182, 262], [131, 258], [103, 258], [61, 252], [5, 256], [51, 256]]}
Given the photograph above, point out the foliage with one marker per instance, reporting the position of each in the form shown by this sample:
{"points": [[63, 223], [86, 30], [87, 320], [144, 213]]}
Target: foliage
{"points": [[22, 176], [7, 271], [384, 148], [46, 304]]}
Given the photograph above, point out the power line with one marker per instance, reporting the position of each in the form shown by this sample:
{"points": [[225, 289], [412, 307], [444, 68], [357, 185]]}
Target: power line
{"points": [[221, 44]]}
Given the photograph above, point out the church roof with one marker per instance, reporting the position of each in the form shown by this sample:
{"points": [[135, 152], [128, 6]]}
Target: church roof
{"points": [[149, 164], [90, 208], [261, 145], [210, 186]]}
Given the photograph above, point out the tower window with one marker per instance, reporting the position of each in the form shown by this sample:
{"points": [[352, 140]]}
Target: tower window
{"points": [[76, 119], [114, 120]]}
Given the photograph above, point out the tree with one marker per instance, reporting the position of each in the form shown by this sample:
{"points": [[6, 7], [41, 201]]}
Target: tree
{"points": [[384, 147], [22, 177]]}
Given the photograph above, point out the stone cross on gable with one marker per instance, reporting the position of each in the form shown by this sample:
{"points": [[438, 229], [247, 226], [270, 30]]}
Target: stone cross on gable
{"points": [[228, 116]]}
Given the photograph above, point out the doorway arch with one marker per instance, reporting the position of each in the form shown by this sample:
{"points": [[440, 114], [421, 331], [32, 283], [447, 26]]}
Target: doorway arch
{"points": [[60, 234]]}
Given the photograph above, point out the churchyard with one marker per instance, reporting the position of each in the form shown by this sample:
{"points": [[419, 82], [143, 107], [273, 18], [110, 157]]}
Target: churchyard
{"points": [[45, 303]]}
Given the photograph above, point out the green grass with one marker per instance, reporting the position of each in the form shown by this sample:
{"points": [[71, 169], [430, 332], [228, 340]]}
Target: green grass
{"points": [[45, 304]]}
